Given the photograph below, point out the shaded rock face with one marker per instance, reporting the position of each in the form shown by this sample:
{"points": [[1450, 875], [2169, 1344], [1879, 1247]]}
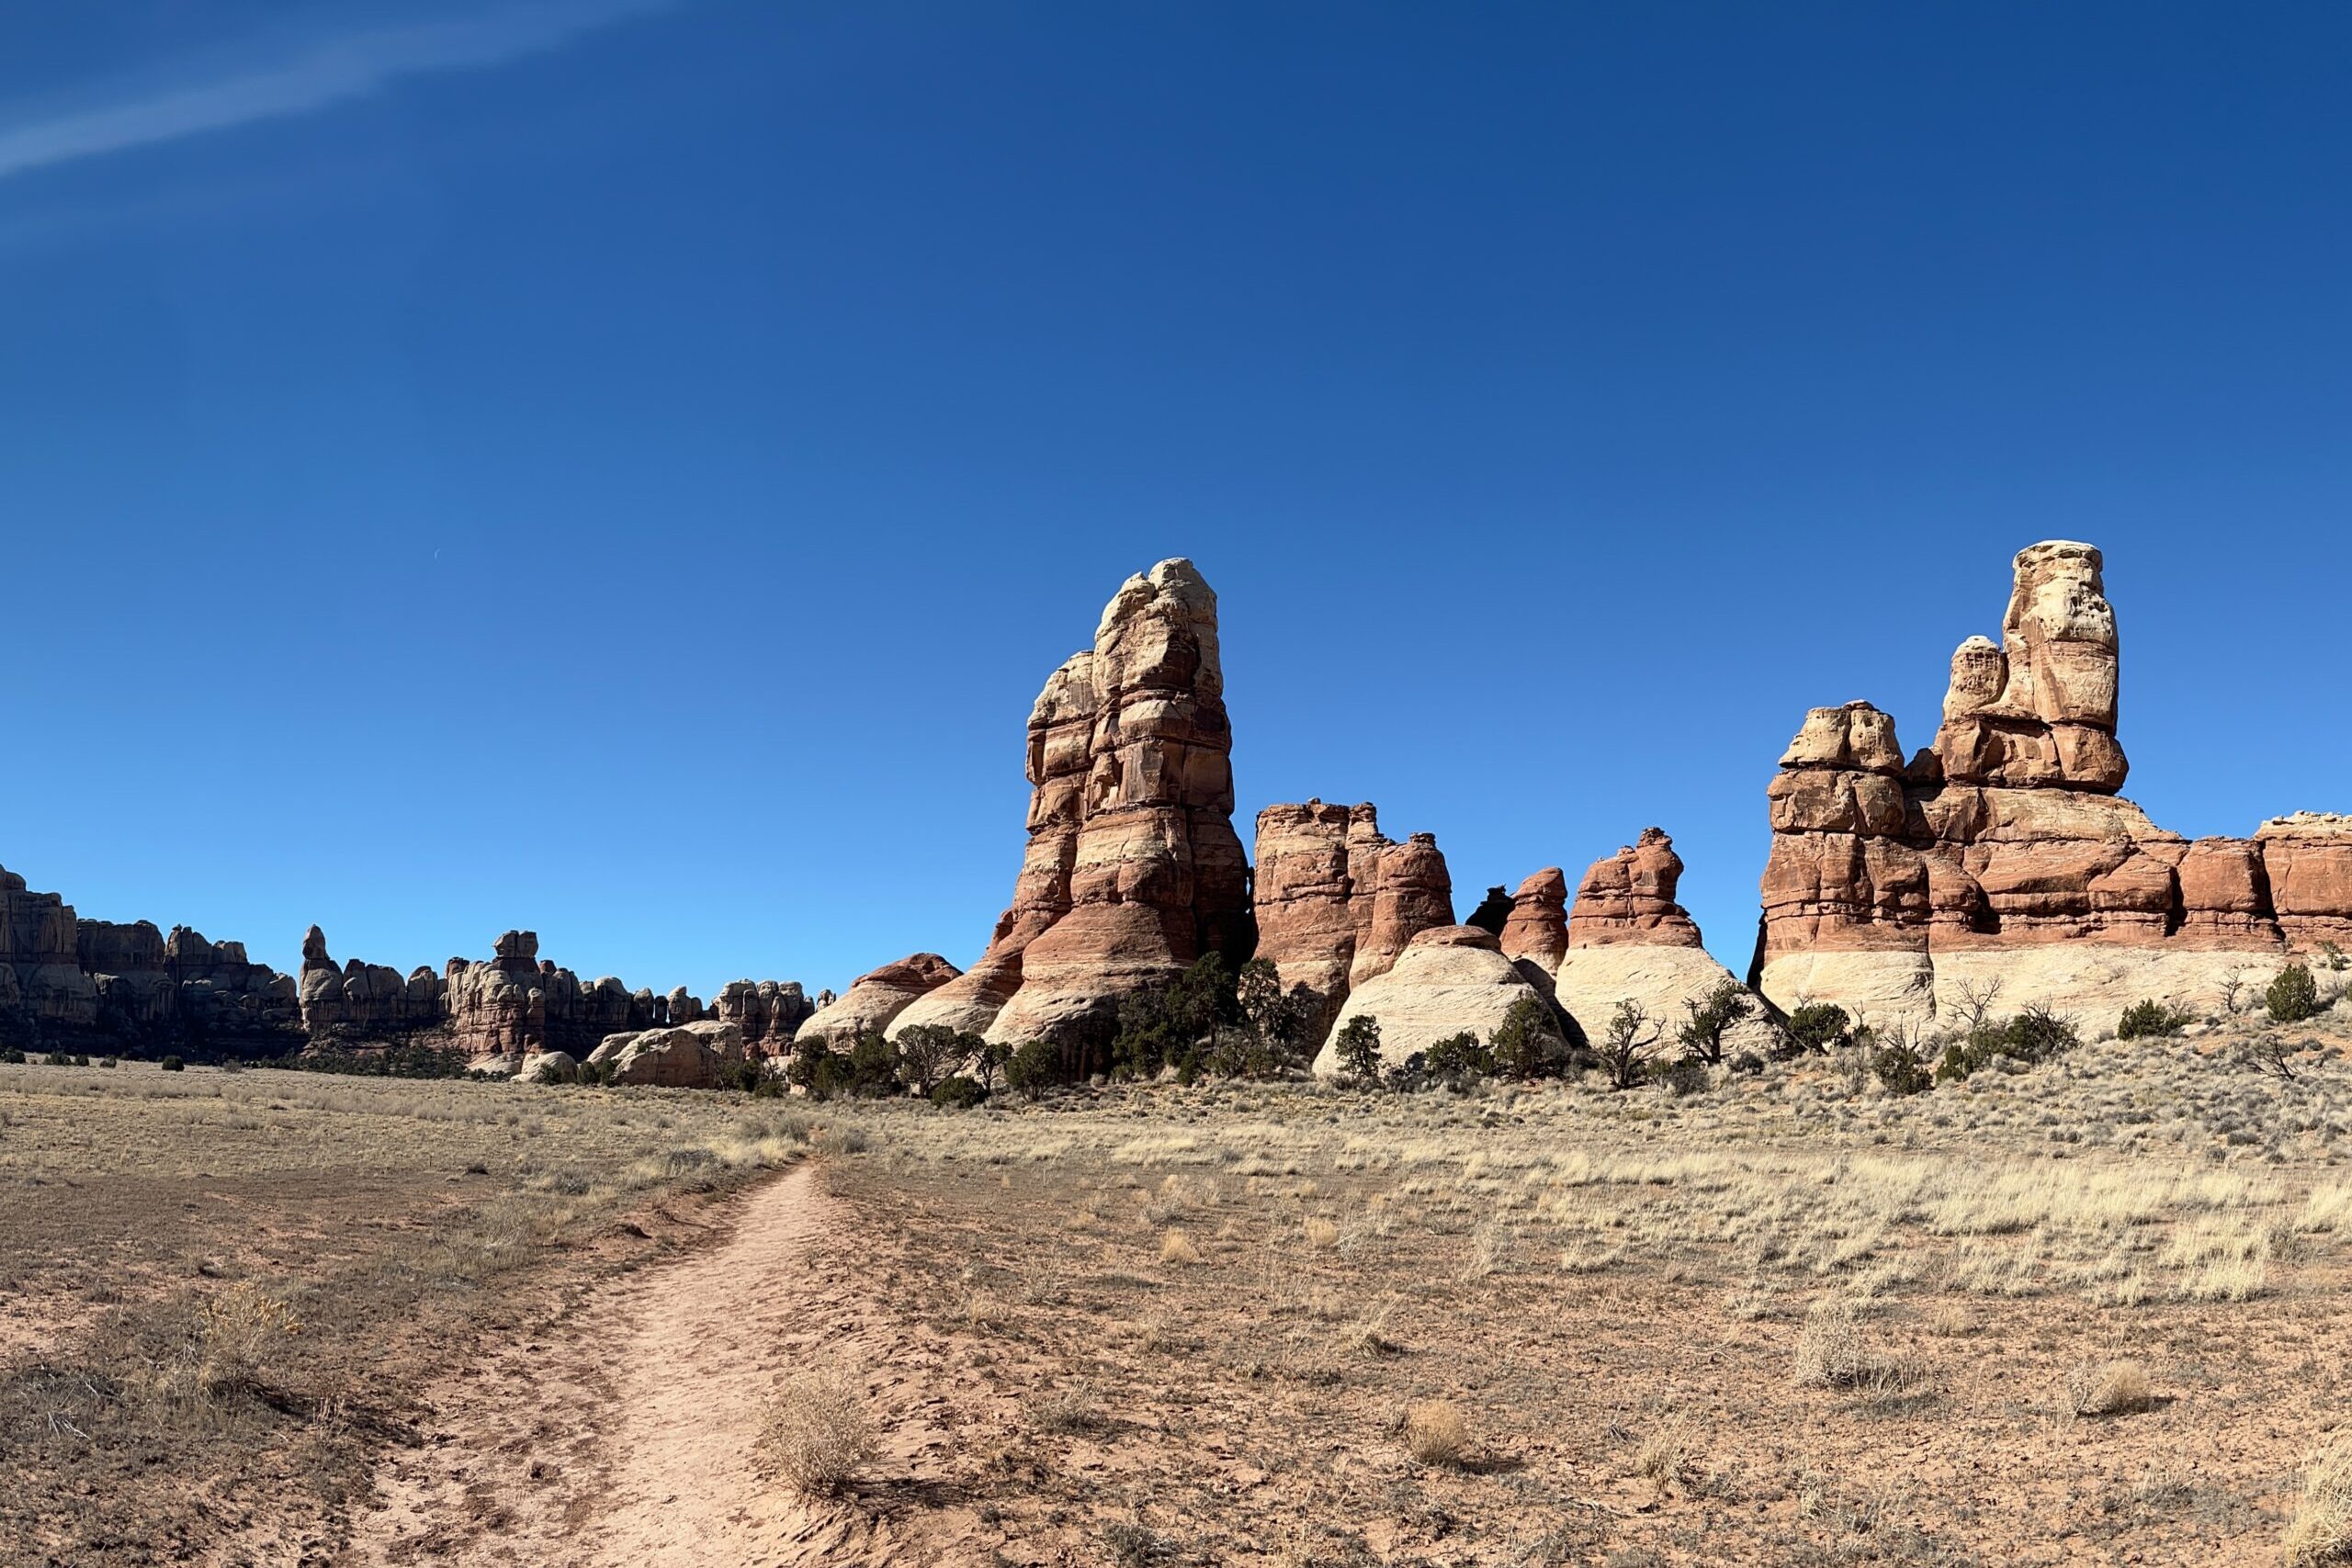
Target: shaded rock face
{"points": [[2004, 854], [876, 998], [1337, 901], [1493, 912], [764, 1012], [1629, 898], [1132, 869], [100, 984], [364, 999]]}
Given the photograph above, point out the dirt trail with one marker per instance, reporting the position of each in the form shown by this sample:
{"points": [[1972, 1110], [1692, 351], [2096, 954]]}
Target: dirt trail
{"points": [[622, 1437]]}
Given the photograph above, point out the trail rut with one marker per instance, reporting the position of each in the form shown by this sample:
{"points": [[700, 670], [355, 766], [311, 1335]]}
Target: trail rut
{"points": [[624, 1435]]}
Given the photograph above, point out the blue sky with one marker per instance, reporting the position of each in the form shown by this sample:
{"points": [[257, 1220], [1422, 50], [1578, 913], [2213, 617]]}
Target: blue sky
{"points": [[626, 469]]}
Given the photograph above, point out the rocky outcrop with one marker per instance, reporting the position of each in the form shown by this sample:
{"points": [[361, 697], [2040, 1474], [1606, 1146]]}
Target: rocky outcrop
{"points": [[1629, 898], [705, 1054], [1411, 893], [1132, 869], [225, 998], [2306, 859], [1493, 912], [43, 988], [499, 1012], [517, 1003], [1626, 940], [2038, 709], [2003, 855], [1337, 901], [876, 998], [1537, 928], [359, 1001], [764, 1012], [1447, 980], [101, 985]]}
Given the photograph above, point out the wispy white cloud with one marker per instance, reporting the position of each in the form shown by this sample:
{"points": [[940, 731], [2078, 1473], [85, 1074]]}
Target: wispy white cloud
{"points": [[311, 79]]}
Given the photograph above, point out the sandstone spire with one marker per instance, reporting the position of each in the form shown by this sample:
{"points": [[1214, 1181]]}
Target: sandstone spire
{"points": [[1132, 868]]}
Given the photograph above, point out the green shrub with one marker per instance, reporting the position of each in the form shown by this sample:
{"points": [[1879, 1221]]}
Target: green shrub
{"points": [[110, 1061], [749, 1073], [873, 1067], [1273, 1021], [1819, 1026], [1901, 1070], [13, 1055], [173, 1064], [1033, 1069], [816, 1068], [2033, 1037], [1711, 1015], [2149, 1019], [1357, 1050], [1458, 1061], [931, 1052], [958, 1092], [60, 1059], [2292, 996], [1164, 1026], [1525, 1044], [2333, 957], [1686, 1075]]}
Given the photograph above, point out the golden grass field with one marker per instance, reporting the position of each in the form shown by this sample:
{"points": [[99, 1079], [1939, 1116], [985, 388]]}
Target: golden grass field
{"points": [[2091, 1312]]}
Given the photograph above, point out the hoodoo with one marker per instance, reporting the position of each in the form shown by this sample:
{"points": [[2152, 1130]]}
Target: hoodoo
{"points": [[1132, 868], [1338, 901], [2003, 855]]}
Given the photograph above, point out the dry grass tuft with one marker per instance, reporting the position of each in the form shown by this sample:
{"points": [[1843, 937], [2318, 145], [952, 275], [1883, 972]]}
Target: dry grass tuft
{"points": [[1435, 1432], [1070, 1410], [1664, 1456], [2108, 1388], [1175, 1247], [2321, 1531], [1833, 1351], [816, 1433], [1321, 1233], [239, 1331]]}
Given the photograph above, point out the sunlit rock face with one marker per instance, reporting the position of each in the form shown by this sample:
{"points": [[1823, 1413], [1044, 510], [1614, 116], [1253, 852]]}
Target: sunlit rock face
{"points": [[1132, 869], [2003, 855]]}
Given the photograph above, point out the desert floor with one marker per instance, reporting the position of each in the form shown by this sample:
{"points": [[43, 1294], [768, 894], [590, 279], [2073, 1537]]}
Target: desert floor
{"points": [[2090, 1312]]}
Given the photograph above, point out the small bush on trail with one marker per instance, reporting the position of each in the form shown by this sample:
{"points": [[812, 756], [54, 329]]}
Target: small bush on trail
{"points": [[816, 1433], [1686, 1075], [173, 1064], [2032, 1037]]}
